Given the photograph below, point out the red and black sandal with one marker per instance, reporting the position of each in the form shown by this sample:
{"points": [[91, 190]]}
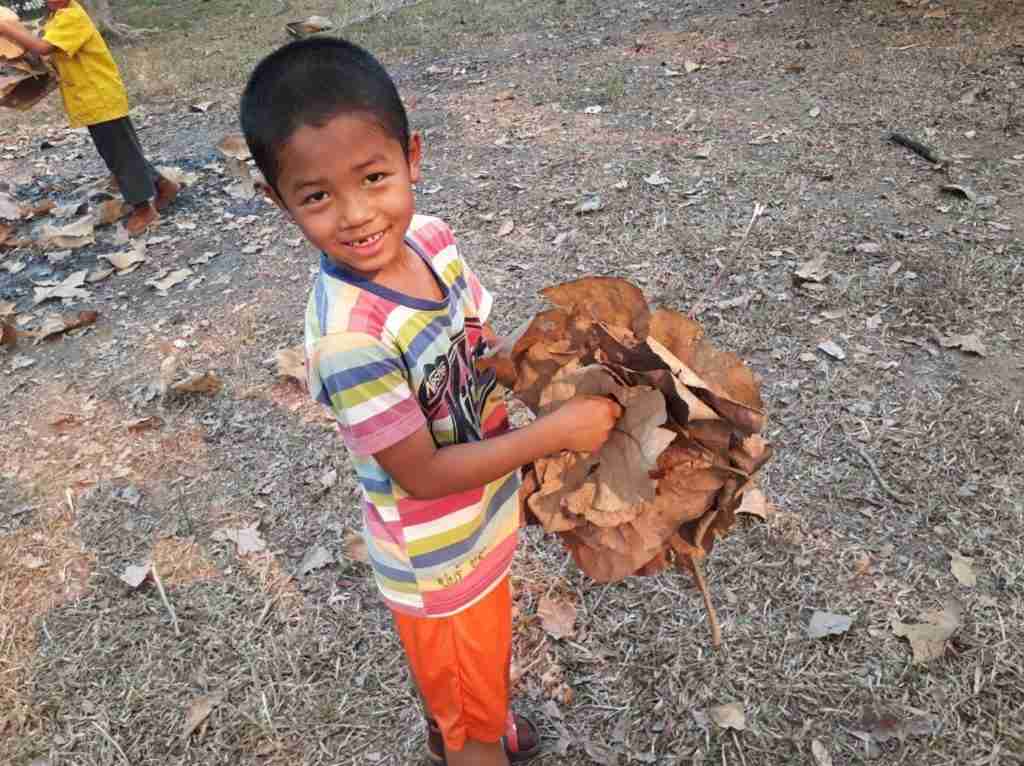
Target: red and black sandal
{"points": [[522, 740]]}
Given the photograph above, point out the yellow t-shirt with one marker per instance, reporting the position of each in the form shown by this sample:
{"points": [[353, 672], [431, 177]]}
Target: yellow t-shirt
{"points": [[89, 80]]}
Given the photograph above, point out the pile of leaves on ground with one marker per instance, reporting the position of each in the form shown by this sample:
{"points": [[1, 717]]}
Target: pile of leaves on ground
{"points": [[683, 459], [25, 80]]}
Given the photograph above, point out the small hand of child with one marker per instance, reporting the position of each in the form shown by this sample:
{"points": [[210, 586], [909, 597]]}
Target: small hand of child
{"points": [[586, 422]]}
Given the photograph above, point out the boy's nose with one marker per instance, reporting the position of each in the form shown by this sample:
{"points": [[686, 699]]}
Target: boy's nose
{"points": [[355, 212]]}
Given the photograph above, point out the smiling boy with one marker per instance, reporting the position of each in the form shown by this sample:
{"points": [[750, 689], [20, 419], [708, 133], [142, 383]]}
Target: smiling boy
{"points": [[394, 324]]}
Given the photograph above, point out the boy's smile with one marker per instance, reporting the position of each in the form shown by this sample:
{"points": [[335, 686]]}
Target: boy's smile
{"points": [[348, 185]]}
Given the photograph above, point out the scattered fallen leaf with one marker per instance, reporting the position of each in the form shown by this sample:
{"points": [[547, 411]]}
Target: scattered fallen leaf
{"points": [[7, 308], [135, 574], [168, 369], [828, 624], [354, 548], [291, 363], [506, 228], [55, 324], [143, 424], [590, 203], [970, 344], [70, 288], [814, 270], [199, 711], [962, 568], [832, 348], [98, 274], [126, 262], [692, 66], [8, 336], [247, 539], [928, 637], [656, 179], [9, 209], [729, 716], [329, 479], [13, 267], [176, 277], [311, 26], [202, 383], [557, 617], [821, 755], [72, 236], [815, 111], [32, 562], [20, 362], [315, 558], [879, 726], [868, 248], [202, 107], [234, 146]]}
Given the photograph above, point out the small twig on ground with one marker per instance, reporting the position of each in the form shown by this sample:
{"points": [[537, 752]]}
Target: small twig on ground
{"points": [[902, 499], [727, 266], [932, 155], [163, 597], [739, 748], [113, 742]]}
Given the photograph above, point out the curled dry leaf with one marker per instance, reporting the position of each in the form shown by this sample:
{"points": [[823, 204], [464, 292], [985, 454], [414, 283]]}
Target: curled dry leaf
{"points": [[8, 335], [70, 287], [165, 283], [199, 711], [247, 539], [74, 235], [234, 146], [201, 383], [557, 617], [129, 260], [814, 270], [291, 363], [315, 558], [729, 716], [822, 757], [143, 424], [828, 624], [506, 228], [55, 325], [354, 547], [970, 344], [135, 574], [928, 637], [962, 568]]}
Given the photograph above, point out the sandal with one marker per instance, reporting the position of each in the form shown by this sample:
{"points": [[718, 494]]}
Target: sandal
{"points": [[522, 740]]}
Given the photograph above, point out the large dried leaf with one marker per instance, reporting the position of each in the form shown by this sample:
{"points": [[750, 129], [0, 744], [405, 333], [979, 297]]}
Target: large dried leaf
{"points": [[557, 617], [55, 325], [247, 539], [234, 146], [199, 711], [76, 234], [611, 301], [70, 287], [928, 637], [129, 260], [291, 363]]}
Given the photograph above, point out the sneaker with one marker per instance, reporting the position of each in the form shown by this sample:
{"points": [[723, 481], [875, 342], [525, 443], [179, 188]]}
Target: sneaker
{"points": [[166, 191], [140, 219]]}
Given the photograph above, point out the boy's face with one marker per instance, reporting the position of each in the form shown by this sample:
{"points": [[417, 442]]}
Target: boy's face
{"points": [[348, 185]]}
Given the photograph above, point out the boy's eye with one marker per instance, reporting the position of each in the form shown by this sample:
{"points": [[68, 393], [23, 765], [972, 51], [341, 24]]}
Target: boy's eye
{"points": [[374, 178], [312, 199]]}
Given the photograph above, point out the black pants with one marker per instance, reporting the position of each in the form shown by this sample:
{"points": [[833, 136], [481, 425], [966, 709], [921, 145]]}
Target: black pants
{"points": [[119, 147]]}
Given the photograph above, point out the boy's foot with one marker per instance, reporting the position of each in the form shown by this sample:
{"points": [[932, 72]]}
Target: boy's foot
{"points": [[140, 219], [522, 740], [166, 191]]}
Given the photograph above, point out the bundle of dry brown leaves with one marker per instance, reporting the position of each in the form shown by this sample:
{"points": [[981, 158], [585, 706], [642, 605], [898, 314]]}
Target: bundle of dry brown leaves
{"points": [[682, 461], [24, 80]]}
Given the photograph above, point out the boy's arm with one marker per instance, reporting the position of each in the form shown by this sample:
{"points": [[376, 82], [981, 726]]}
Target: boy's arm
{"points": [[582, 424], [20, 36]]}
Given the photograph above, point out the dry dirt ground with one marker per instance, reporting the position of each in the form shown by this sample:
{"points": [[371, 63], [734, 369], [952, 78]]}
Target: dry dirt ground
{"points": [[893, 462]]}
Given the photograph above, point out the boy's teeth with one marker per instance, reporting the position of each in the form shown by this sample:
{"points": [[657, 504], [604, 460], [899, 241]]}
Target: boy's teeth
{"points": [[368, 240]]}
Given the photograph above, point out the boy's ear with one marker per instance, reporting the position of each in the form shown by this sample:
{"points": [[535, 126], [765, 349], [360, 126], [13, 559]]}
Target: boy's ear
{"points": [[268, 191], [415, 156]]}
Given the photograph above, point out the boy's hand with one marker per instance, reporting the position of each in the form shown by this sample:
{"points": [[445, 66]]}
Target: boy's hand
{"points": [[586, 422]]}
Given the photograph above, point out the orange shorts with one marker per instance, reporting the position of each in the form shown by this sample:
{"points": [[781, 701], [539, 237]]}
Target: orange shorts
{"points": [[461, 665]]}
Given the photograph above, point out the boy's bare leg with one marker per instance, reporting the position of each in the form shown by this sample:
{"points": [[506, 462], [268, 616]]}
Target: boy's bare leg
{"points": [[478, 754]]}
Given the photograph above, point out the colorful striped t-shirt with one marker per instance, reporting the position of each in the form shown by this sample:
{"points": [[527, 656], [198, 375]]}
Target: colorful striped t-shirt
{"points": [[387, 365]]}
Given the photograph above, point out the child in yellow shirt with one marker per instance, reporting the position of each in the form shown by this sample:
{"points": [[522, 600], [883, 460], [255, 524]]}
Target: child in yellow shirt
{"points": [[95, 97]]}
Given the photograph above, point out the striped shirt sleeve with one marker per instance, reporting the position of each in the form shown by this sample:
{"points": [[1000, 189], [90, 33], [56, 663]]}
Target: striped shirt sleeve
{"points": [[365, 383]]}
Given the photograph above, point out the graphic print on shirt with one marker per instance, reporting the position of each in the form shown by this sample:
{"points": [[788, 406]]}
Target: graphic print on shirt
{"points": [[451, 389]]}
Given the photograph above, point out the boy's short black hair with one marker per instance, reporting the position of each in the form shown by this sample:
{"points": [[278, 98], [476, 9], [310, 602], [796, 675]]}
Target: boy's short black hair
{"points": [[310, 82]]}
